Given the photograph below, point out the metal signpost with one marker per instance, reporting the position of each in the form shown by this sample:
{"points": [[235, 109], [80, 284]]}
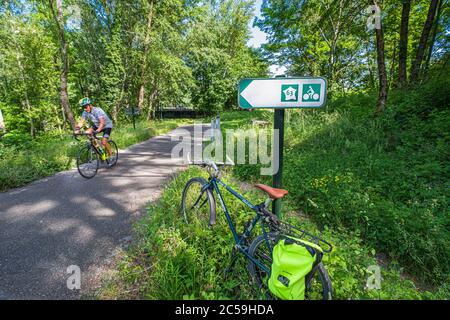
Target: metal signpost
{"points": [[280, 93], [132, 112]]}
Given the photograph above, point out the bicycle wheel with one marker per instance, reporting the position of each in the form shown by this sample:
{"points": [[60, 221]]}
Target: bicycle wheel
{"points": [[198, 205], [260, 251], [87, 162], [318, 288], [112, 159]]}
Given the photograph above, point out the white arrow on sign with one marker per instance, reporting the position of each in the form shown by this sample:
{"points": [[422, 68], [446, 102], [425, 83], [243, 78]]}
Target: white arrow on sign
{"points": [[282, 93]]}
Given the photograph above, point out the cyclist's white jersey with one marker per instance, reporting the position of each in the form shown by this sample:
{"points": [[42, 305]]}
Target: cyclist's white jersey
{"points": [[95, 115]]}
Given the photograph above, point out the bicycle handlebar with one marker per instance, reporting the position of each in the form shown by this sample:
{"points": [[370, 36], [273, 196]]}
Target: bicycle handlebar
{"points": [[84, 134], [91, 136], [211, 164]]}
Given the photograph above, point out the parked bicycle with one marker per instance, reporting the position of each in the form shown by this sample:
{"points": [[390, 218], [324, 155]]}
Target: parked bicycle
{"points": [[92, 154], [198, 206]]}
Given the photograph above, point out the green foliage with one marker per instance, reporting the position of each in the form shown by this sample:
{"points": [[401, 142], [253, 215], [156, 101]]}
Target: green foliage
{"points": [[330, 38], [317, 38], [384, 177], [36, 159], [126, 135], [15, 138], [27, 72], [23, 160], [172, 260], [181, 261], [219, 62], [113, 73], [172, 51]]}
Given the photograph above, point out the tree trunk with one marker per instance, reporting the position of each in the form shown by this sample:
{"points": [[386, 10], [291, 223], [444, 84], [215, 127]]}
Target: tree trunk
{"points": [[151, 100], [144, 58], [415, 69], [433, 38], [382, 76], [56, 112], [403, 45], [391, 72], [369, 65], [59, 20], [118, 104]]}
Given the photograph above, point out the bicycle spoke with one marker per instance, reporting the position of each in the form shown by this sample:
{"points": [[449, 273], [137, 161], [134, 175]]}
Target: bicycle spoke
{"points": [[199, 191], [112, 159], [318, 285], [197, 201], [87, 162], [195, 204], [203, 203]]}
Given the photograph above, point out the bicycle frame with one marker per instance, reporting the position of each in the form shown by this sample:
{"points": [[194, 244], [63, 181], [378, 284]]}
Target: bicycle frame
{"points": [[91, 144], [272, 229], [215, 182]]}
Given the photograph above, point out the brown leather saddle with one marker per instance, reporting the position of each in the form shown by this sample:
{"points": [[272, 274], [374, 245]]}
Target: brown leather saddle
{"points": [[273, 193]]}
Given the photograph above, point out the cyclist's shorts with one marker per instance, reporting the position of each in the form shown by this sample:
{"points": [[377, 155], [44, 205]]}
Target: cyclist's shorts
{"points": [[106, 131]]}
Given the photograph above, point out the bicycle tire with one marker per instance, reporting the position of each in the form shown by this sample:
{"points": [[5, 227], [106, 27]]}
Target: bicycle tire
{"points": [[192, 197], [260, 252], [112, 161], [88, 162]]}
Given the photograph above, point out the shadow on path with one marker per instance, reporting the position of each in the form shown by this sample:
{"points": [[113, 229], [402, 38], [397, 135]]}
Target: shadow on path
{"points": [[65, 220]]}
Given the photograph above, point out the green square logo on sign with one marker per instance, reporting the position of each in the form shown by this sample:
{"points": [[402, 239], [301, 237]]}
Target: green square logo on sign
{"points": [[289, 93], [311, 92]]}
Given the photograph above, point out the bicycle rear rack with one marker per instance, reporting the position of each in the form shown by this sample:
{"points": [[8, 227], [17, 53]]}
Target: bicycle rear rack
{"points": [[289, 230]]}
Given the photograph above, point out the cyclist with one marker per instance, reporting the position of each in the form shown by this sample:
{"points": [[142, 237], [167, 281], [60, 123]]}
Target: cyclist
{"points": [[100, 122]]}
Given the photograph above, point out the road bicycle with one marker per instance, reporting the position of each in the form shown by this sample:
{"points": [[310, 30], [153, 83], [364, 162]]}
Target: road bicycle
{"points": [[90, 156], [198, 206]]}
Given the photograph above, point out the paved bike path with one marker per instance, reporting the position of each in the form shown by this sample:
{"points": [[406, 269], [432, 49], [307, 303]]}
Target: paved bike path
{"points": [[65, 220]]}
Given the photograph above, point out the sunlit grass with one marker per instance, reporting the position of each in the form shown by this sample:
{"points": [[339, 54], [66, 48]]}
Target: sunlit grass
{"points": [[20, 165], [173, 260]]}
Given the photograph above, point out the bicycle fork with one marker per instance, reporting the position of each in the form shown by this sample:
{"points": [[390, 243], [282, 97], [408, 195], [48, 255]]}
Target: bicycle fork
{"points": [[239, 247]]}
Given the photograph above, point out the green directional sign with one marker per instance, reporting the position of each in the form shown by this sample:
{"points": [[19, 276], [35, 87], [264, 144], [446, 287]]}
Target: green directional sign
{"points": [[282, 93]]}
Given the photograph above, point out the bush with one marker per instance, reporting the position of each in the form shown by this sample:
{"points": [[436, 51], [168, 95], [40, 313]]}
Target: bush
{"points": [[385, 177], [15, 139], [23, 160], [172, 260]]}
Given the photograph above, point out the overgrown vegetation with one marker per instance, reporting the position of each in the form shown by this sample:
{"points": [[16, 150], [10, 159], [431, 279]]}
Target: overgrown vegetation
{"points": [[385, 177], [375, 186], [23, 160], [143, 53], [172, 260]]}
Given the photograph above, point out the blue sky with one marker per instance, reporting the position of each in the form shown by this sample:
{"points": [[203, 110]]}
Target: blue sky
{"points": [[258, 37]]}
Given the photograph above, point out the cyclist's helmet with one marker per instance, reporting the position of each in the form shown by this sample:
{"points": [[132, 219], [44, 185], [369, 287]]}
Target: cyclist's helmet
{"points": [[84, 102]]}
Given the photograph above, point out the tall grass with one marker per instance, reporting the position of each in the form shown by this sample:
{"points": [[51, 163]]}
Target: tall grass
{"points": [[384, 177], [173, 260], [23, 160], [376, 187]]}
